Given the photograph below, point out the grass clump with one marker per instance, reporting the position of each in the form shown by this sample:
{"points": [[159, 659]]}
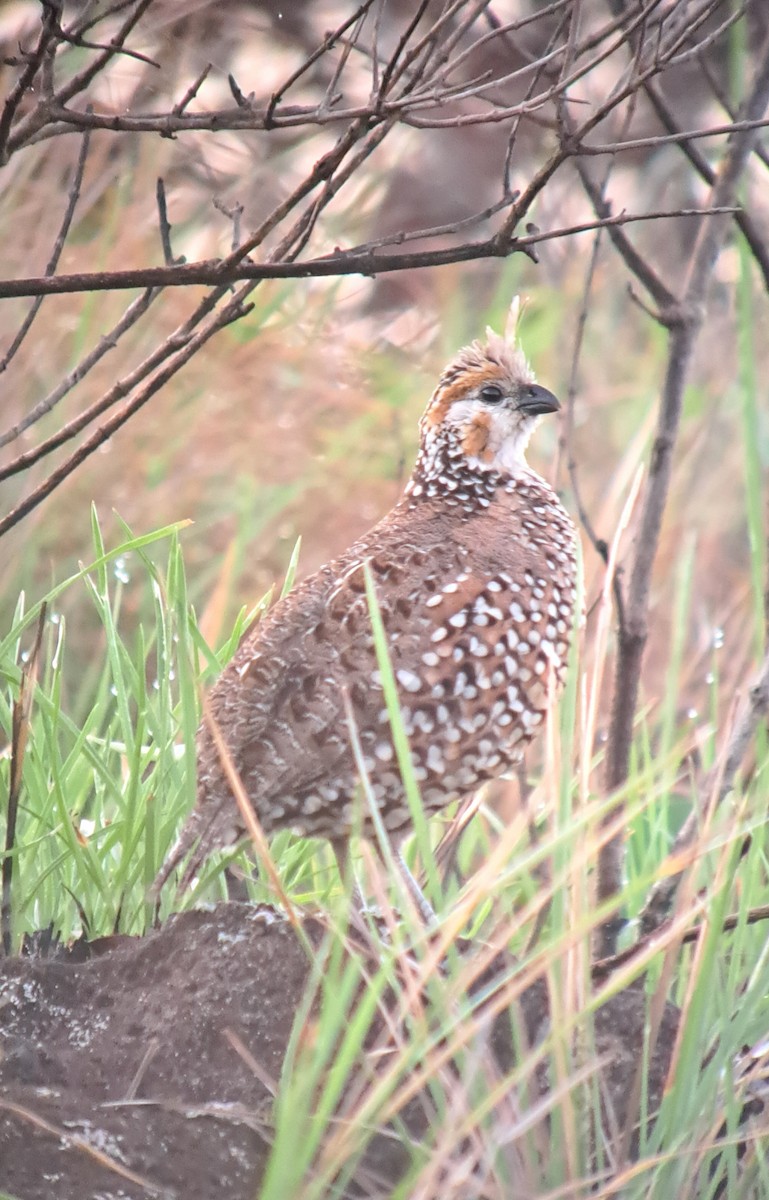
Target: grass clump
{"points": [[408, 1034]]}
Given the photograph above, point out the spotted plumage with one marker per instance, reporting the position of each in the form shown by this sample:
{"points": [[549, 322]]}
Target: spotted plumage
{"points": [[475, 573]]}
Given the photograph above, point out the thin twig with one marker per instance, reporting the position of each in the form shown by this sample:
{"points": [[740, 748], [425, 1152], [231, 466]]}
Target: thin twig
{"points": [[53, 262], [328, 42], [43, 111], [640, 267], [233, 212], [26, 79], [119, 391], [598, 195], [244, 116], [108, 342], [747, 225], [165, 226], [233, 312], [192, 91], [19, 737], [66, 1138]]}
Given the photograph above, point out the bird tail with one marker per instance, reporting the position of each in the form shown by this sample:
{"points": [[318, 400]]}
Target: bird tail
{"points": [[188, 839], [201, 835]]}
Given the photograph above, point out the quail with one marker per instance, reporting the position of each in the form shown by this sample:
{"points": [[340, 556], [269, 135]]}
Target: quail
{"points": [[475, 573]]}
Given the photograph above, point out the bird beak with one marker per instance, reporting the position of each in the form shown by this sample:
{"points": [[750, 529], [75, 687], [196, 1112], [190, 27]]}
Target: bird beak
{"points": [[537, 400]]}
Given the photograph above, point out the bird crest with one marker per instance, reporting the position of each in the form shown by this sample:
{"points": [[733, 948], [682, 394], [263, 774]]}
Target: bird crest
{"points": [[498, 359]]}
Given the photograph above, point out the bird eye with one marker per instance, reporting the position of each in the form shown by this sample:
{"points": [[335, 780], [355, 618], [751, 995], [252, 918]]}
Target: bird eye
{"points": [[491, 394]]}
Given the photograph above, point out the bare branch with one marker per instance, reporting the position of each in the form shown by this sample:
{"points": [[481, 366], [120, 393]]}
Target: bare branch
{"points": [[233, 312], [361, 260], [233, 212], [641, 268], [42, 113], [705, 171], [53, 262], [19, 739], [327, 44], [26, 79], [654, 141], [133, 313], [192, 91], [165, 227], [684, 321]]}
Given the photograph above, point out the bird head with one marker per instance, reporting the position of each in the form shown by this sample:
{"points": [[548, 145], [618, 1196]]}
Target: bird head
{"points": [[487, 404]]}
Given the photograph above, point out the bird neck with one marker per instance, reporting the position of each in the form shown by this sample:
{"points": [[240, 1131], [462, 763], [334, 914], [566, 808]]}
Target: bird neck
{"points": [[445, 471]]}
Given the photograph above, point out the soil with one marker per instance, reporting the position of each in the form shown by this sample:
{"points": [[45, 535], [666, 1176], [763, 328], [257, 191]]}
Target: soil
{"points": [[125, 1075]]}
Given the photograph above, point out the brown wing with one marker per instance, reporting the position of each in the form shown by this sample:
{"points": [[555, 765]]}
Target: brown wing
{"points": [[281, 702], [472, 649]]}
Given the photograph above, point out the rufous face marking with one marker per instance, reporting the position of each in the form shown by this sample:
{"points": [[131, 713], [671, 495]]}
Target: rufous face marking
{"points": [[475, 441], [466, 380], [486, 406]]}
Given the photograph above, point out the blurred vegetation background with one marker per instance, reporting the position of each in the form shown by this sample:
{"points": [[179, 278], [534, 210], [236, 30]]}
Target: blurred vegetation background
{"points": [[301, 418]]}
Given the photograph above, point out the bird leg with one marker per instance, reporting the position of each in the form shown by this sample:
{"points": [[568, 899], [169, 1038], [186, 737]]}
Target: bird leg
{"points": [[341, 848], [424, 906]]}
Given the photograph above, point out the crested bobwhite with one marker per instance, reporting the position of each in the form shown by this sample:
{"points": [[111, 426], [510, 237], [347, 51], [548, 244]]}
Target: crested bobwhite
{"points": [[475, 574]]}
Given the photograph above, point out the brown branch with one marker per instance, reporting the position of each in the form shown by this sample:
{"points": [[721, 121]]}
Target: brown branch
{"points": [[604, 967], [387, 75], [533, 84], [184, 341], [558, 89], [654, 141], [133, 313], [43, 111], [358, 261], [246, 116], [192, 90], [722, 96], [25, 80], [116, 46], [19, 739], [53, 262], [427, 89], [234, 213], [703, 168], [165, 227], [684, 320], [321, 173], [180, 345], [569, 147], [233, 312], [299, 234], [79, 28], [119, 391], [71, 37], [602, 209], [640, 267], [327, 44]]}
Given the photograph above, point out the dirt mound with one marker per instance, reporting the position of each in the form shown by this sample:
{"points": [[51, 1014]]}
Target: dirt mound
{"points": [[147, 1020], [129, 1075]]}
